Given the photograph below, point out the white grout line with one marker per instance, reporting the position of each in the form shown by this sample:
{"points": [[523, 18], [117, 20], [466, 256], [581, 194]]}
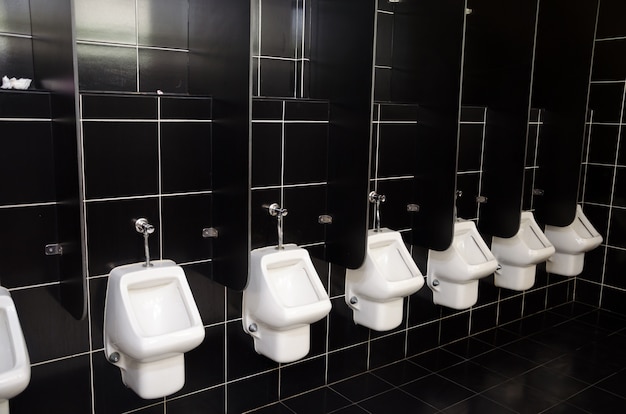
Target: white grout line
{"points": [[611, 202], [42, 204], [606, 39], [23, 36], [130, 46], [25, 119]]}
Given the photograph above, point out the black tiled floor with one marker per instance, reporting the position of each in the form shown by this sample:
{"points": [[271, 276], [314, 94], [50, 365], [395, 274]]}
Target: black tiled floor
{"points": [[566, 360]]}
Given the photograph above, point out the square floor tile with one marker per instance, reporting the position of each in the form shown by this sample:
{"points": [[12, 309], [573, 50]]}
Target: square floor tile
{"points": [[498, 337], [598, 401], [535, 351], [477, 405], [401, 372], [436, 360], [552, 382], [395, 401], [361, 387], [504, 363], [473, 376], [323, 400], [564, 408], [277, 408], [437, 391], [469, 347], [518, 397], [615, 383]]}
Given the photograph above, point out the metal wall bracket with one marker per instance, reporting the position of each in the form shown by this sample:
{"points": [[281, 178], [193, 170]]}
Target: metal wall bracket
{"points": [[538, 191], [210, 233], [55, 249], [325, 219], [412, 208], [481, 199]]}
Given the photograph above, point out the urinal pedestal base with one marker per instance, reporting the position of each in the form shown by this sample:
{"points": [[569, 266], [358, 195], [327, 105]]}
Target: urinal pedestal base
{"points": [[455, 295], [515, 277], [566, 264], [283, 346], [155, 379], [4, 406], [379, 316]]}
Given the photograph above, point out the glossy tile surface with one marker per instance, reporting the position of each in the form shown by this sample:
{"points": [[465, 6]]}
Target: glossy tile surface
{"points": [[567, 360]]}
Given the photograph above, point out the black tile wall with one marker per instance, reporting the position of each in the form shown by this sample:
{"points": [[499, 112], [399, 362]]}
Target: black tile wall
{"points": [[604, 161], [150, 156]]}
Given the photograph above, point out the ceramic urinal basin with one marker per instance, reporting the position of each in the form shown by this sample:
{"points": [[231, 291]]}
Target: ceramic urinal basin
{"points": [[375, 291]]}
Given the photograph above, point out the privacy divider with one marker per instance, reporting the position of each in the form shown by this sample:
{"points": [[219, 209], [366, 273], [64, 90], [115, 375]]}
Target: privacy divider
{"points": [[426, 69], [219, 65], [562, 71], [499, 47], [54, 61], [341, 69]]}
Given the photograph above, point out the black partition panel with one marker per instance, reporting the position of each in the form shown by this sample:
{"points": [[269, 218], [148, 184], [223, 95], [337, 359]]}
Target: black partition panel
{"points": [[426, 69], [565, 38], [499, 47], [54, 61], [219, 65], [341, 70]]}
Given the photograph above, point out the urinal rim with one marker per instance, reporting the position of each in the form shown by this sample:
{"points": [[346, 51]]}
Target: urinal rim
{"points": [[506, 250], [572, 245], [258, 312], [21, 360], [312, 275], [117, 335], [395, 238]]}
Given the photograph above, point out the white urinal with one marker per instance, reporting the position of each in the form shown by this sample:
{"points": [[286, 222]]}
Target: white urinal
{"points": [[453, 273], [150, 321], [571, 243], [14, 361], [283, 297], [518, 255], [375, 292]]}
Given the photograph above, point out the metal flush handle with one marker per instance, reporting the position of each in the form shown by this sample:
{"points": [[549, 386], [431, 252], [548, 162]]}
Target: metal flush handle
{"points": [[142, 226], [276, 211], [376, 199]]}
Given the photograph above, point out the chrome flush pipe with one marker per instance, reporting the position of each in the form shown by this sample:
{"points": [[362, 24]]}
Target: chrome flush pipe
{"points": [[142, 226], [276, 211], [376, 199]]}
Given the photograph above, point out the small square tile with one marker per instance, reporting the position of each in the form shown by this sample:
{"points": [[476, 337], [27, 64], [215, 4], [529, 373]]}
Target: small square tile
{"points": [[520, 398], [302, 376], [277, 77], [323, 400], [401, 372], [436, 360], [107, 68], [495, 361], [553, 383], [477, 405], [596, 400], [431, 390], [163, 23], [361, 387], [395, 401], [186, 156], [163, 70], [473, 376], [115, 151]]}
